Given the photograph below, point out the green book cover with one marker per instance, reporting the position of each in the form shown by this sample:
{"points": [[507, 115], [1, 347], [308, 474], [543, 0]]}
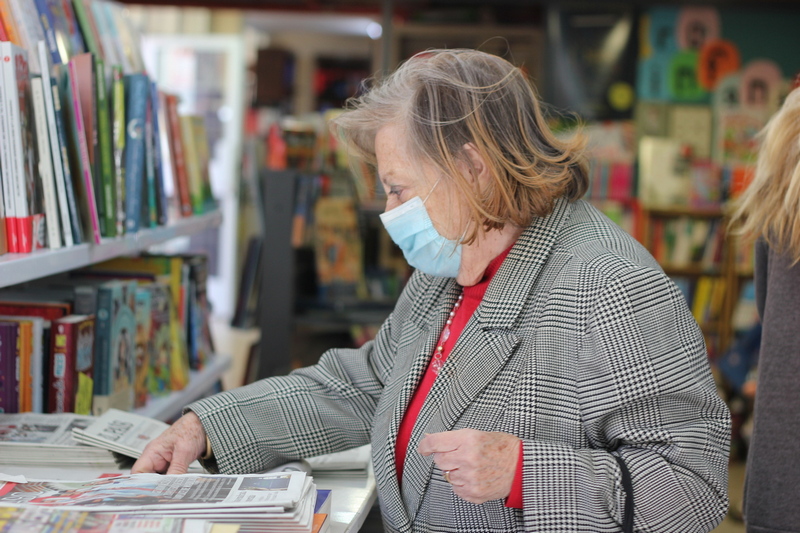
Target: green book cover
{"points": [[85, 24], [118, 142], [104, 159]]}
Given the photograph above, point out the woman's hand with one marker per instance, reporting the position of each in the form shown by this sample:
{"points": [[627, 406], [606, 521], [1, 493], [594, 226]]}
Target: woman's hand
{"points": [[480, 465], [173, 451]]}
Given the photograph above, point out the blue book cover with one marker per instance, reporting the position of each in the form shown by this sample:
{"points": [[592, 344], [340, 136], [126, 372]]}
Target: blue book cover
{"points": [[136, 90], [49, 26]]}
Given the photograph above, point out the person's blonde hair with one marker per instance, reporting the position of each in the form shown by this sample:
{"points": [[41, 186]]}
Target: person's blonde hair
{"points": [[770, 206], [446, 99]]}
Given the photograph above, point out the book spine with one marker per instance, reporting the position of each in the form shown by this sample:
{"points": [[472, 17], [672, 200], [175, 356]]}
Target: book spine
{"points": [[118, 134], [102, 345], [86, 29], [84, 365], [5, 157], [45, 165], [48, 25], [62, 369], [12, 174], [106, 164], [178, 157], [158, 161], [25, 378], [192, 159], [55, 150], [8, 23], [8, 370], [63, 156], [83, 148], [152, 208], [135, 149]]}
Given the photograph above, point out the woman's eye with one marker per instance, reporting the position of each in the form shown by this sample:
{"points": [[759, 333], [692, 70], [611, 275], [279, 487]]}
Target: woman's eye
{"points": [[397, 191]]}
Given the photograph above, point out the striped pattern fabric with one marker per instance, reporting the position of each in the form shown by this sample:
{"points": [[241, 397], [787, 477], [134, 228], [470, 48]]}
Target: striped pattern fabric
{"points": [[582, 347]]}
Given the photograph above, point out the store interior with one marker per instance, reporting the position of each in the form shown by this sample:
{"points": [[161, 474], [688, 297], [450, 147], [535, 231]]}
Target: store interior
{"points": [[670, 96]]}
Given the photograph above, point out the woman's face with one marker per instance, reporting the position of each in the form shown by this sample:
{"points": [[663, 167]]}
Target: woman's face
{"points": [[403, 179]]}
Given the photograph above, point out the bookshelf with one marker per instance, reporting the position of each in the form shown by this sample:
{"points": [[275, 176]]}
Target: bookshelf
{"points": [[19, 268]]}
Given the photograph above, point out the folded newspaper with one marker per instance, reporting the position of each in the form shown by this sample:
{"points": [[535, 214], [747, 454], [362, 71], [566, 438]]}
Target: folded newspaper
{"points": [[124, 433], [46, 440], [267, 502]]}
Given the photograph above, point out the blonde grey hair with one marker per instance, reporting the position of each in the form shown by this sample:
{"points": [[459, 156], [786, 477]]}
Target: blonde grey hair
{"points": [[446, 99], [770, 206]]}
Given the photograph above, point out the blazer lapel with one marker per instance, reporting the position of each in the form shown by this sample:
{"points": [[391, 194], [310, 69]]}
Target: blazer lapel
{"points": [[483, 347]]}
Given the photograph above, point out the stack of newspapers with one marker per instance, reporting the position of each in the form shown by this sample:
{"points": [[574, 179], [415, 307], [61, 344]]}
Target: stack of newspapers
{"points": [[124, 433], [33, 439], [275, 502]]}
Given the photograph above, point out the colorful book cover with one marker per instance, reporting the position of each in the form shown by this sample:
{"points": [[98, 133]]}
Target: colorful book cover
{"points": [[114, 355], [86, 81], [192, 159], [104, 161], [9, 388], [83, 161], [49, 27], [71, 371], [16, 83], [35, 368], [144, 323], [64, 166], [6, 185], [179, 170], [24, 365], [136, 91], [48, 186], [67, 31], [159, 380], [85, 25], [9, 24], [118, 142], [29, 28], [54, 153], [198, 332]]}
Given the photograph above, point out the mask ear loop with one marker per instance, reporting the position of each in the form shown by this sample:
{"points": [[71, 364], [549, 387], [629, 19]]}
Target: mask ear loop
{"points": [[431, 191]]}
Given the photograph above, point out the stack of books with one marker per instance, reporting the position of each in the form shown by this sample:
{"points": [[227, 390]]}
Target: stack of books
{"points": [[89, 146]]}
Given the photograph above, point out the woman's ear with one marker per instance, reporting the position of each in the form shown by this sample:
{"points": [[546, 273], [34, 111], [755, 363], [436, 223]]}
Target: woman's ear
{"points": [[475, 167]]}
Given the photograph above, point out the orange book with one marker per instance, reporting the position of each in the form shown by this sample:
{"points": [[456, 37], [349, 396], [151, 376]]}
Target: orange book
{"points": [[176, 148], [9, 25]]}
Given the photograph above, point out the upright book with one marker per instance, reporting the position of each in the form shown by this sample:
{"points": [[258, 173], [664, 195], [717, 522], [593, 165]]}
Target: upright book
{"points": [[71, 378], [52, 220], [136, 92], [9, 385]]}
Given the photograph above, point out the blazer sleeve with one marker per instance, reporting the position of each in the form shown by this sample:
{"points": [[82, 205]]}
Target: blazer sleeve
{"points": [[646, 394], [319, 409]]}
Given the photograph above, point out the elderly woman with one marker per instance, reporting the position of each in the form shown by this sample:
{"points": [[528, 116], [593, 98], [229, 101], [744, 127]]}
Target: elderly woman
{"points": [[539, 371]]}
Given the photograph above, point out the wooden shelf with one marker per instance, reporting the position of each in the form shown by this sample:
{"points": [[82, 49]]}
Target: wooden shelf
{"points": [[200, 384], [19, 268]]}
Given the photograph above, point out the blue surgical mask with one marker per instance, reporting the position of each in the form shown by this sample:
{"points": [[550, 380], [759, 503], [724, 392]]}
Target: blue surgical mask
{"points": [[412, 230]]}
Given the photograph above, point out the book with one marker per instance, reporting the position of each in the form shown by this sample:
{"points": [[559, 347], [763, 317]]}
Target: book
{"points": [[29, 28], [114, 346], [162, 214], [159, 381], [192, 161], [19, 148], [104, 161], [118, 145], [64, 166], [86, 81], [47, 21], [178, 157], [87, 29], [35, 375], [55, 153], [71, 370], [136, 93], [149, 202], [46, 179], [9, 25], [144, 321], [82, 162], [9, 385]]}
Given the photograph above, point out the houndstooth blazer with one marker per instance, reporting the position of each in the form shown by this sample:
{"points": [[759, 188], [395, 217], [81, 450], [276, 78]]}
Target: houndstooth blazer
{"points": [[582, 347]]}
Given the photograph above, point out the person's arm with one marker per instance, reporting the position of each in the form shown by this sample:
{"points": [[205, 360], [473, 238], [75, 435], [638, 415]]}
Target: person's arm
{"points": [[646, 393]]}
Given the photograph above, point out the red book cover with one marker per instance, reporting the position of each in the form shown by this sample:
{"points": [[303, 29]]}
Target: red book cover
{"points": [[179, 170], [70, 380]]}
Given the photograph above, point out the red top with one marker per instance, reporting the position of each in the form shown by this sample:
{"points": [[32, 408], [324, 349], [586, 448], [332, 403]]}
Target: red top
{"points": [[472, 298]]}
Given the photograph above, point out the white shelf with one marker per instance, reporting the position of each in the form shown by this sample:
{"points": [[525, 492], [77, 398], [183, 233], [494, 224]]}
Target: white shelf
{"points": [[200, 383], [19, 268]]}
